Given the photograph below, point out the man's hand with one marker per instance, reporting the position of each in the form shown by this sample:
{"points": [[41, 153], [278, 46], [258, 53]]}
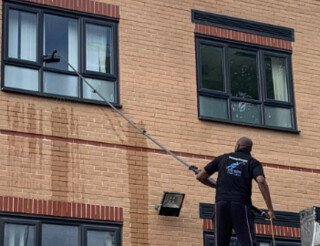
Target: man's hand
{"points": [[194, 169], [271, 214], [264, 188]]}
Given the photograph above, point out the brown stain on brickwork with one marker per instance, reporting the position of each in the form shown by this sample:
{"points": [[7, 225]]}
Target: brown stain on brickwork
{"points": [[59, 154], [74, 158], [23, 154], [34, 124], [138, 187]]}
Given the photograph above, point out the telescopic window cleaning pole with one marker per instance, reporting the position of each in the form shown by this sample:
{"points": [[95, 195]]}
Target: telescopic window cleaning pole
{"points": [[55, 57]]}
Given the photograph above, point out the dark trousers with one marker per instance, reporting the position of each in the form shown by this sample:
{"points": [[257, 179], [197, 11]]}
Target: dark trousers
{"points": [[238, 216]]}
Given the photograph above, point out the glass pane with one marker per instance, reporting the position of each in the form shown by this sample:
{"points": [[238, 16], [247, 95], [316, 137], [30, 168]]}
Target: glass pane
{"points": [[22, 41], [21, 78], [19, 235], [101, 238], [243, 73], [264, 244], [53, 235], [280, 117], [233, 242], [105, 88], [60, 84], [213, 107], [276, 79], [246, 112], [98, 49], [61, 34], [212, 68]]}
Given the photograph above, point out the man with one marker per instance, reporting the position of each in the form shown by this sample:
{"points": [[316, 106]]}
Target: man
{"points": [[233, 195]]}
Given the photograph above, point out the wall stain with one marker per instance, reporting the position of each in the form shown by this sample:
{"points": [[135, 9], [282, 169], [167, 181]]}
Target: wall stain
{"points": [[138, 187], [59, 154], [76, 186], [24, 154]]}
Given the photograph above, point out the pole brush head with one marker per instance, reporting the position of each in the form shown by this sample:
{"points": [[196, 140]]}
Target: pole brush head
{"points": [[53, 57]]}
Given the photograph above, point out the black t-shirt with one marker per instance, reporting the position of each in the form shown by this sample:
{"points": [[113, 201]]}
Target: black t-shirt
{"points": [[235, 173]]}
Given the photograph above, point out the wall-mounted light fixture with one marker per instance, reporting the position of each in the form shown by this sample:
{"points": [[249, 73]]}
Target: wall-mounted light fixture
{"points": [[171, 204]]}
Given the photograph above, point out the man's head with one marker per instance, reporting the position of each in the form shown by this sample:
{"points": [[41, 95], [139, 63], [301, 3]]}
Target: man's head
{"points": [[244, 143]]}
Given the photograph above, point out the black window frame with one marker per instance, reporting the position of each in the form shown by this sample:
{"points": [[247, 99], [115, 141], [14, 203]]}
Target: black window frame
{"points": [[82, 224], [261, 51], [82, 18]]}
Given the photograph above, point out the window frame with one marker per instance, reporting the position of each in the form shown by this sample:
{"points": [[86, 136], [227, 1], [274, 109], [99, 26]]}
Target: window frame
{"points": [[87, 228], [263, 101], [21, 221], [82, 224], [82, 18]]}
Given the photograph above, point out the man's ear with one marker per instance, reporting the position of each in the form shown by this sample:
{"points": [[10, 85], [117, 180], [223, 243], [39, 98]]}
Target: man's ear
{"points": [[237, 146]]}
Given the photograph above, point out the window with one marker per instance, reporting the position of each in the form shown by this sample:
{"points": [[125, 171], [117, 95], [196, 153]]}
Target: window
{"points": [[19, 234], [247, 85], [51, 232], [88, 44]]}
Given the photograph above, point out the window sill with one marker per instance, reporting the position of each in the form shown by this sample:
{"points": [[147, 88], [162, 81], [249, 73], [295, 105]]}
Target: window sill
{"points": [[281, 129], [59, 97]]}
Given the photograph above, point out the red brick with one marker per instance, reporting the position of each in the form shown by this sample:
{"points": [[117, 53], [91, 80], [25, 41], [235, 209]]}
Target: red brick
{"points": [[45, 207], [84, 211], [63, 209], [89, 211], [102, 214], [56, 208], [68, 209], [108, 214], [10, 204], [81, 213], [117, 12], [86, 6], [101, 6], [112, 213], [30, 205], [15, 204], [73, 209], [5, 203], [121, 214], [1, 203], [40, 207], [50, 208], [35, 207], [72, 4]]}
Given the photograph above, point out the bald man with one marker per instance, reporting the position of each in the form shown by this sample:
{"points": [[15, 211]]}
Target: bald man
{"points": [[233, 195]]}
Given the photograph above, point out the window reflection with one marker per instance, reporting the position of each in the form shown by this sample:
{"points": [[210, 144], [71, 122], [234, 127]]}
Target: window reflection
{"points": [[246, 112], [53, 235], [22, 35], [98, 48], [212, 76], [243, 73], [19, 235], [101, 238], [61, 34], [276, 79]]}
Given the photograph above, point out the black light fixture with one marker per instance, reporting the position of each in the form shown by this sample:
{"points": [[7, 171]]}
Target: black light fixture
{"points": [[171, 204]]}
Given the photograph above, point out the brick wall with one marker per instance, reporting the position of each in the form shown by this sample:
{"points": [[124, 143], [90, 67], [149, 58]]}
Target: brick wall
{"points": [[78, 153]]}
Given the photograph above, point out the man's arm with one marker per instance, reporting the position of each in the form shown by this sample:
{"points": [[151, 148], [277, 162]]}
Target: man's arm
{"points": [[203, 176], [264, 189]]}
